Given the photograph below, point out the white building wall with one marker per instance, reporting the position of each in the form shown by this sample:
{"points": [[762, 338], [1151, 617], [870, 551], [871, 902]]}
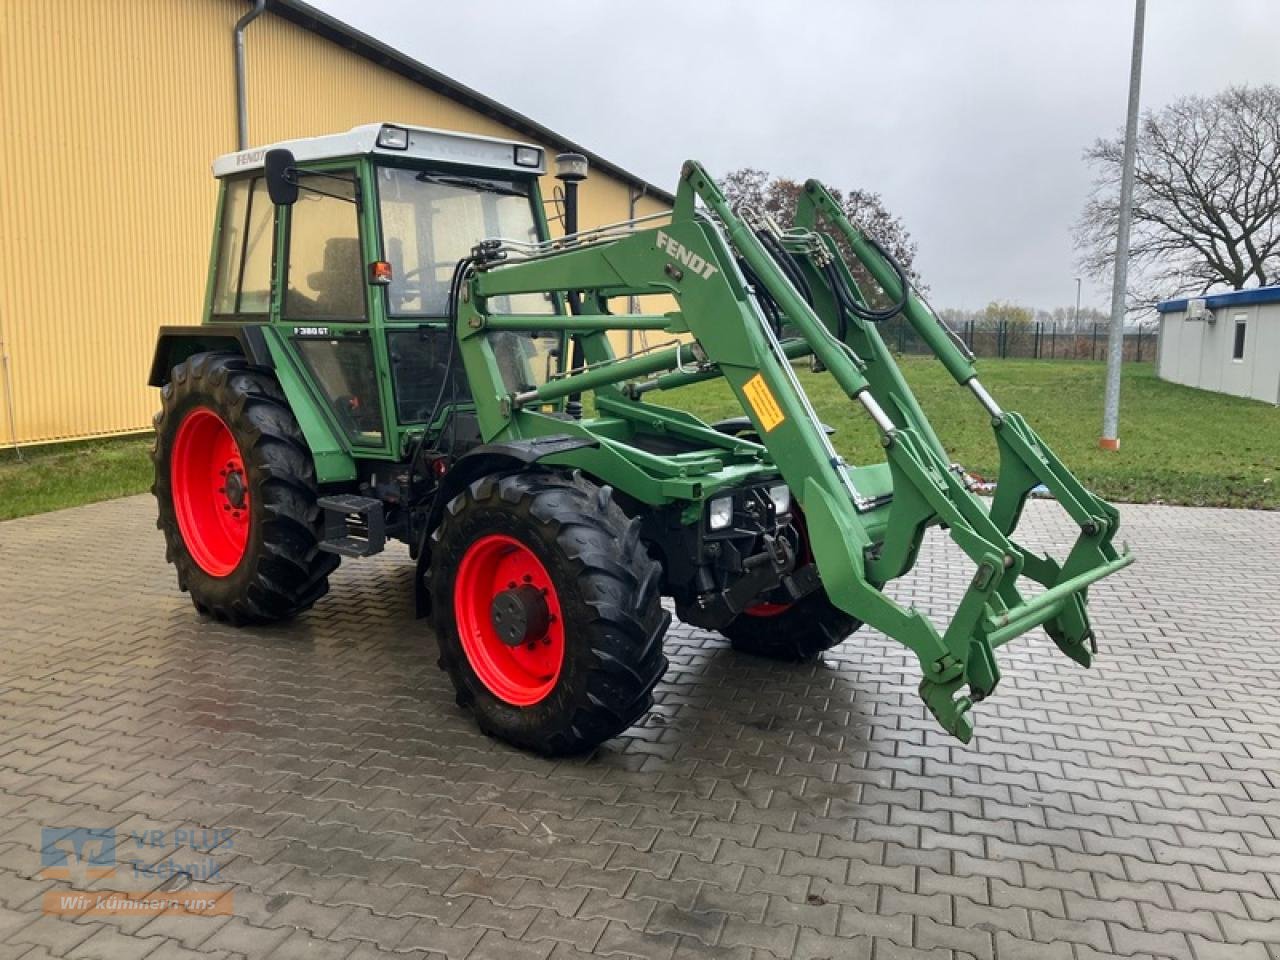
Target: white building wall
{"points": [[1200, 354], [1265, 380]]}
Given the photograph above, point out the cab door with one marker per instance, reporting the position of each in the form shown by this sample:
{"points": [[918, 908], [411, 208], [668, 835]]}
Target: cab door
{"points": [[326, 308]]}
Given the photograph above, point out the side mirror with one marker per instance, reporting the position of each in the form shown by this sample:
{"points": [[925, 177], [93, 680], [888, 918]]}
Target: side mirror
{"points": [[282, 177]]}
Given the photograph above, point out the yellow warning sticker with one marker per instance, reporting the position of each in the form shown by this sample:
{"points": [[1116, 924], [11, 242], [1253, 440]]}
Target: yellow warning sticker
{"points": [[762, 403]]}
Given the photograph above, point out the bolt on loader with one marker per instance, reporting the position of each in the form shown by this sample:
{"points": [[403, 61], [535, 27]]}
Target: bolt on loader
{"points": [[394, 346]]}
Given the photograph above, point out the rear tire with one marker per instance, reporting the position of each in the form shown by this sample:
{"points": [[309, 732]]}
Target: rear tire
{"points": [[589, 653], [227, 445], [793, 632]]}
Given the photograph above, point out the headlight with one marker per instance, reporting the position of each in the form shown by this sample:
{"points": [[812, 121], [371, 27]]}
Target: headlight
{"points": [[528, 157], [720, 513], [393, 138], [781, 497]]}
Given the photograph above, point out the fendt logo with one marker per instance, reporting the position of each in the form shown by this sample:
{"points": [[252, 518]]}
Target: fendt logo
{"points": [[686, 256], [78, 853]]}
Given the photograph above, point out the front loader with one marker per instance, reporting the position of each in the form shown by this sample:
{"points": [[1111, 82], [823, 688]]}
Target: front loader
{"points": [[428, 383]]}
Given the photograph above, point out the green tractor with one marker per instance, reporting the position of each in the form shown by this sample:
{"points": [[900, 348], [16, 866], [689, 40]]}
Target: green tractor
{"points": [[394, 346]]}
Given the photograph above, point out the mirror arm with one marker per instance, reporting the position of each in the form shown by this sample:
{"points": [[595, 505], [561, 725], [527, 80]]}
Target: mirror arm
{"points": [[293, 175]]}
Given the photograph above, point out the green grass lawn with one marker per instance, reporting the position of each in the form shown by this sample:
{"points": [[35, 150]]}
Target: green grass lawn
{"points": [[69, 474], [1178, 445]]}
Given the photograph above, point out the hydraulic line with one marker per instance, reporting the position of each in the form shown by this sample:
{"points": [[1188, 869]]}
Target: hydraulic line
{"points": [[772, 312], [850, 302], [461, 271], [787, 263]]}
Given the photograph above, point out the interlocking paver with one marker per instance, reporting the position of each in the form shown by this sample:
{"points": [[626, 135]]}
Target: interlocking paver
{"points": [[760, 811]]}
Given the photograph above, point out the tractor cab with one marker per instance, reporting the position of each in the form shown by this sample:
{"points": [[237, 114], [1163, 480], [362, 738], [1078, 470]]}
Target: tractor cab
{"points": [[346, 246]]}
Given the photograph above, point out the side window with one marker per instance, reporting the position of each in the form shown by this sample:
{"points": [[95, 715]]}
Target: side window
{"points": [[343, 369], [242, 278], [419, 359], [326, 269], [1242, 331]]}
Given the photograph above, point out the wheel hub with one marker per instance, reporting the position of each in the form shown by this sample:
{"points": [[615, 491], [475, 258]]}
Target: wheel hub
{"points": [[235, 489], [520, 616]]}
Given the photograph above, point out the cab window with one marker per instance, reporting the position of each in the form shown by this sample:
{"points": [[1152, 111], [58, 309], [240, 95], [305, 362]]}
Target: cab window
{"points": [[326, 268], [242, 275], [431, 220], [342, 366]]}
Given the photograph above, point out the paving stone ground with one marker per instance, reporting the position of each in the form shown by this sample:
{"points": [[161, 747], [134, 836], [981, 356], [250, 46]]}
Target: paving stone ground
{"points": [[351, 810]]}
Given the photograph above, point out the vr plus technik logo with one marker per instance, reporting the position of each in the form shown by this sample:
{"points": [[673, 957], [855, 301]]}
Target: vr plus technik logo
{"points": [[146, 860], [78, 853]]}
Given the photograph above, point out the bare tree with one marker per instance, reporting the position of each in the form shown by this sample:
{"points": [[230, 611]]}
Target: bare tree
{"points": [[776, 196], [1206, 208]]}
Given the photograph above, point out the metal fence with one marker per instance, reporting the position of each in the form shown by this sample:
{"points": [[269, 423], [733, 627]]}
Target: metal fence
{"points": [[1032, 341]]}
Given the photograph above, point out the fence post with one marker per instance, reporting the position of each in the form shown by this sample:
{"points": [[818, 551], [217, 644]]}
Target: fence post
{"points": [[1139, 343], [1053, 339], [1093, 347]]}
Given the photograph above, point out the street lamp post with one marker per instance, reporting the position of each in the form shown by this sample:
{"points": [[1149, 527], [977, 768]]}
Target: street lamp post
{"points": [[1110, 439]]}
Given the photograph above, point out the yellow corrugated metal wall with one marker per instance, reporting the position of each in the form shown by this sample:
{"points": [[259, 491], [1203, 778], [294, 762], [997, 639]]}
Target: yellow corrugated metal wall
{"points": [[113, 113]]}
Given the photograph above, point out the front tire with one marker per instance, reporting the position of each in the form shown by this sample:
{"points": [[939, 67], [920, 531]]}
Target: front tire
{"points": [[236, 492], [547, 610], [794, 632]]}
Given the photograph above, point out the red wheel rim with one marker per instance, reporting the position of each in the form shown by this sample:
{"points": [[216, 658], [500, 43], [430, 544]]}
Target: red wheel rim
{"points": [[210, 492], [523, 674], [767, 609]]}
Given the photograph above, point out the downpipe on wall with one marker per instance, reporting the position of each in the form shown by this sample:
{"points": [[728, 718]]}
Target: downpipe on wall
{"points": [[242, 93]]}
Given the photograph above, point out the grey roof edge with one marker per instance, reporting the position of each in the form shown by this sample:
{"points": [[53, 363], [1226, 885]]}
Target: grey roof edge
{"points": [[336, 31], [1233, 298]]}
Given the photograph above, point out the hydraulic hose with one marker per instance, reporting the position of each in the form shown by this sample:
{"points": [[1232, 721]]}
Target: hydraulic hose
{"points": [[460, 272], [787, 263], [849, 302], [772, 312]]}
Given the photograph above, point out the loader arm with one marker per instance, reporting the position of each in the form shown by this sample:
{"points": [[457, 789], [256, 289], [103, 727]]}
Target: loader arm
{"points": [[1025, 459], [858, 541]]}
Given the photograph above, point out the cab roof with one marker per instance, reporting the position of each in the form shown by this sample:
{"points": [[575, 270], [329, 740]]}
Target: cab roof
{"points": [[379, 139]]}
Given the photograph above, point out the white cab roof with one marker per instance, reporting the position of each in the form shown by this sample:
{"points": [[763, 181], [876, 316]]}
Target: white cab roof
{"points": [[440, 146]]}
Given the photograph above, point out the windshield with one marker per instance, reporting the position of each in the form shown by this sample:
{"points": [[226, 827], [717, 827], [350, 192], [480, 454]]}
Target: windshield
{"points": [[430, 221]]}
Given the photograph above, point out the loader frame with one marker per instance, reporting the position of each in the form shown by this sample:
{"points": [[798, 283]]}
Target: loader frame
{"points": [[865, 524]]}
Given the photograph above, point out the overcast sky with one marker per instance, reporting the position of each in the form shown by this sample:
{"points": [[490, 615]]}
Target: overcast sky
{"points": [[968, 116]]}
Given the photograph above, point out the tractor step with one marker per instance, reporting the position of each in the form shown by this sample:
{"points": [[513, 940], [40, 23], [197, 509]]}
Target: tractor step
{"points": [[353, 526]]}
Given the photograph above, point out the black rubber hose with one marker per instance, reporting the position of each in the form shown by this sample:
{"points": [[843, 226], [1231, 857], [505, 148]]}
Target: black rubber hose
{"points": [[787, 263], [842, 310], [850, 302], [460, 271], [772, 312]]}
